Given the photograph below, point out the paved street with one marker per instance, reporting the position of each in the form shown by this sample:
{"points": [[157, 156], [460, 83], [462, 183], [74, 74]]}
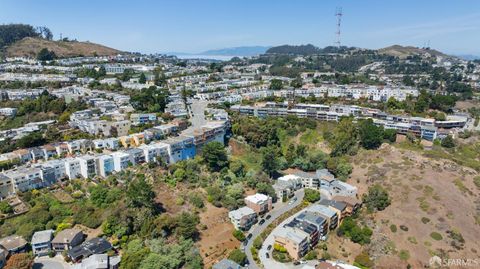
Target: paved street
{"points": [[257, 229]]}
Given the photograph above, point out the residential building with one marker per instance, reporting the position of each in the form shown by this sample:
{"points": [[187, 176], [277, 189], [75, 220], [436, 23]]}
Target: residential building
{"points": [[105, 165], [243, 218], [14, 244], [42, 242], [260, 203], [138, 119], [339, 207], [295, 241], [25, 178], [226, 264], [308, 228], [6, 186], [121, 160], [58, 167], [315, 219], [136, 155], [329, 214], [88, 168], [353, 204], [72, 168], [86, 249], [67, 239], [99, 261]]}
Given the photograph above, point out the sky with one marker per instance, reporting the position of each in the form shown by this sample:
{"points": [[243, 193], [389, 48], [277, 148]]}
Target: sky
{"points": [[198, 25]]}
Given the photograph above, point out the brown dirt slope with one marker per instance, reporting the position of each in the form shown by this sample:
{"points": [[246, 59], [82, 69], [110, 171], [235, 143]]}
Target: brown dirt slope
{"points": [[404, 51], [29, 47], [428, 197]]}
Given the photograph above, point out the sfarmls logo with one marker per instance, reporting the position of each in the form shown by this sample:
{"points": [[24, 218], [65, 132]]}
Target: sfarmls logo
{"points": [[436, 261]]}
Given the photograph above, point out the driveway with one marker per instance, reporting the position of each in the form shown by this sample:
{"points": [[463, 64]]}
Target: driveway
{"points": [[257, 229], [46, 262]]}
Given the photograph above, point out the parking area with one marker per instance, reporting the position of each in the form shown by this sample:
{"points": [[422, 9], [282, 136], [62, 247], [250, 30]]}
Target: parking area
{"points": [[46, 262]]}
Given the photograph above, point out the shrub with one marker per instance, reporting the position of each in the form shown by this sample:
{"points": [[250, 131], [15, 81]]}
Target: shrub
{"points": [[311, 255], [436, 236], [238, 256], [239, 235], [363, 259], [404, 255], [377, 198], [425, 220], [393, 228], [311, 195], [279, 248]]}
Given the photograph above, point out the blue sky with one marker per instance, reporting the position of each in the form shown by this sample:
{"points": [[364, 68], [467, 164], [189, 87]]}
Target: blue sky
{"points": [[198, 25]]}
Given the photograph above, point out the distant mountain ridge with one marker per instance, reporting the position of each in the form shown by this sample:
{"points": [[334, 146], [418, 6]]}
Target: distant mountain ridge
{"points": [[30, 46], [238, 51]]}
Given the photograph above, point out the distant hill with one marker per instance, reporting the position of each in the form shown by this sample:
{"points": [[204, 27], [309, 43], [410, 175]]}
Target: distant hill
{"points": [[291, 49], [468, 57], [405, 51], [238, 51], [30, 46]]}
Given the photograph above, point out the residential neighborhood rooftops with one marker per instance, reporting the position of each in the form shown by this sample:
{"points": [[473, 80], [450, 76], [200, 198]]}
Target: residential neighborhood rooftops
{"points": [[295, 235], [323, 210], [335, 204], [93, 246]]}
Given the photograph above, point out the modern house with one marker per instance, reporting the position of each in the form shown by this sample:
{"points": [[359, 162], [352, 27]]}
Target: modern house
{"points": [[315, 219], [42, 242], [104, 165], [121, 160], [308, 228], [66, 239], [339, 207], [243, 218], [90, 247], [260, 203], [72, 168], [353, 204], [324, 211], [88, 167]]}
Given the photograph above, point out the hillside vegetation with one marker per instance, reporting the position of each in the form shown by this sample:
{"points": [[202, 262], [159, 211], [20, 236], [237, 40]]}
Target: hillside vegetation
{"points": [[405, 51], [30, 46]]}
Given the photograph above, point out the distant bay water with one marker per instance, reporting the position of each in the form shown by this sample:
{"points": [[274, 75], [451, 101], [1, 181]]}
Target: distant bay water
{"points": [[207, 57]]}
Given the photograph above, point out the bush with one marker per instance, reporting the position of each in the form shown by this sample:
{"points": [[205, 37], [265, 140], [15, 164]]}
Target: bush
{"points": [[279, 248], [238, 256], [377, 198], [5, 208], [311, 255], [311, 195], [448, 142], [393, 228], [239, 235], [425, 220], [363, 259], [436, 236], [404, 255]]}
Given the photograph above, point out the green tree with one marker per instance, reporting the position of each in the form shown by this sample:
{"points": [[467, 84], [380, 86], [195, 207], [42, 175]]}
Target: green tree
{"points": [[270, 162], [390, 135], [215, 156], [344, 138], [140, 194], [142, 79], [20, 261], [46, 55], [371, 136], [239, 235], [5, 208], [448, 142], [377, 198], [238, 256], [311, 195], [276, 84]]}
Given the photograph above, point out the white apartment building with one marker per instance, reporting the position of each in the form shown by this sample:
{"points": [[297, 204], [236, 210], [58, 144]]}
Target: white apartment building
{"points": [[120, 160], [72, 168], [88, 168]]}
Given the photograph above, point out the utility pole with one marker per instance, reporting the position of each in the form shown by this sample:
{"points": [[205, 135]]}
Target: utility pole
{"points": [[338, 14]]}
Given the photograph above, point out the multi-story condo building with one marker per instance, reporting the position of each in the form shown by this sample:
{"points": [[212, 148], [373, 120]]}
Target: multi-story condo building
{"points": [[243, 218], [121, 160], [88, 168], [295, 241], [72, 168], [105, 165], [260, 203]]}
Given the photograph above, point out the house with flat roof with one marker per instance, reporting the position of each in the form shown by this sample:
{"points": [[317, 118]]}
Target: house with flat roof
{"points": [[353, 204], [260, 203], [316, 219], [339, 207], [99, 261], [331, 215], [14, 244], [226, 264], [295, 241], [243, 218], [66, 239], [121, 160], [42, 242], [104, 164]]}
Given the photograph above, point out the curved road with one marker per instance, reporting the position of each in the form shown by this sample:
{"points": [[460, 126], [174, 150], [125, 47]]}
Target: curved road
{"points": [[279, 209]]}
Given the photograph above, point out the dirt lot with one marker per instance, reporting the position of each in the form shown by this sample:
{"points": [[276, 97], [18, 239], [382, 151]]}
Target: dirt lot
{"points": [[428, 196], [216, 241]]}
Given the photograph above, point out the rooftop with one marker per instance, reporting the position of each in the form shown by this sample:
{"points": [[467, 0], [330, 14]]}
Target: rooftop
{"points": [[42, 237]]}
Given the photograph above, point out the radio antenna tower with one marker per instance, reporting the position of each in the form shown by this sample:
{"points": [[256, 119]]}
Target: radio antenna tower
{"points": [[338, 14]]}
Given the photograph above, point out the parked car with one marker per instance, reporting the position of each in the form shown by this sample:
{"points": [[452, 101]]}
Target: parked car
{"points": [[267, 255], [262, 221], [269, 247], [245, 242], [296, 263], [249, 236], [268, 217]]}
